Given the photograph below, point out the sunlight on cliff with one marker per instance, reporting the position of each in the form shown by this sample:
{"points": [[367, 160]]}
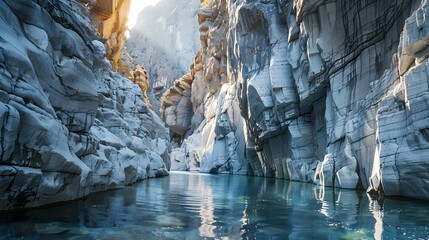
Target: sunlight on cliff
{"points": [[205, 3], [136, 7]]}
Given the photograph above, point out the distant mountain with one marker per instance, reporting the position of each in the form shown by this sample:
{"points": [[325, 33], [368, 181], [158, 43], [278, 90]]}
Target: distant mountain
{"points": [[165, 40]]}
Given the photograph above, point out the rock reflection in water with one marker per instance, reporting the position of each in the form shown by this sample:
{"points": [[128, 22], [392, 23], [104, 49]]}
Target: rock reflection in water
{"points": [[195, 206], [377, 211]]}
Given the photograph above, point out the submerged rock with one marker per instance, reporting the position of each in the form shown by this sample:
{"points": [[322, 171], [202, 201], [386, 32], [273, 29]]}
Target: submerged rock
{"points": [[330, 92], [69, 125]]}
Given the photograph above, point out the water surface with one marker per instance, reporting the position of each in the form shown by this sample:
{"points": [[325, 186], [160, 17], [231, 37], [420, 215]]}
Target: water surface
{"points": [[198, 206]]}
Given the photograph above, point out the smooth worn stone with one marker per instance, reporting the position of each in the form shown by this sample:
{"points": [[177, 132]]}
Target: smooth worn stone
{"points": [[301, 90], [69, 125]]}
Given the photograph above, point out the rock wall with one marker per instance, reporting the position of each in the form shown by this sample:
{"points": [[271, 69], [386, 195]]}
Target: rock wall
{"points": [[110, 18], [205, 101], [330, 92], [69, 125], [165, 40]]}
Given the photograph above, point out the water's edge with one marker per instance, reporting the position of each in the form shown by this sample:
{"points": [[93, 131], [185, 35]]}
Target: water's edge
{"points": [[192, 205]]}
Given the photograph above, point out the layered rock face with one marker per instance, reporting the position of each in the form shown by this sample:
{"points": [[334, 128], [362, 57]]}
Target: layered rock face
{"points": [[330, 92], [165, 40], [204, 102], [69, 125]]}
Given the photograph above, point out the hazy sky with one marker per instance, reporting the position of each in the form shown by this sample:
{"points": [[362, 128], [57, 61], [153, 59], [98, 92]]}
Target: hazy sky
{"points": [[136, 7]]}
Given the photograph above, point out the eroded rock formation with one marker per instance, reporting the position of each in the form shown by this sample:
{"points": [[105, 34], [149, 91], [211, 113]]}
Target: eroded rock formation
{"points": [[110, 18], [69, 125], [330, 92], [204, 101], [139, 76]]}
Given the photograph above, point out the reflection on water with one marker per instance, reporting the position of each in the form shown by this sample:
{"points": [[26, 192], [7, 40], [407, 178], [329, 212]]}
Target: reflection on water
{"points": [[196, 206]]}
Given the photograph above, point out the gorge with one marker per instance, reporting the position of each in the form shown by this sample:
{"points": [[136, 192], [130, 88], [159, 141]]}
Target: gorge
{"points": [[329, 92], [165, 40]]}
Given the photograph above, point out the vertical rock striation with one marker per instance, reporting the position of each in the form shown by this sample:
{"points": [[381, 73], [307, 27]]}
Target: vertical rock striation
{"points": [[330, 92], [69, 125]]}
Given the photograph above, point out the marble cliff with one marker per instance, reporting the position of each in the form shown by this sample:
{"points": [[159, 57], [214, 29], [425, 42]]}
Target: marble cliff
{"points": [[69, 124], [330, 92]]}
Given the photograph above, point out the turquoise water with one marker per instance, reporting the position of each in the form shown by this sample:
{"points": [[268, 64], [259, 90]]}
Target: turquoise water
{"points": [[197, 206]]}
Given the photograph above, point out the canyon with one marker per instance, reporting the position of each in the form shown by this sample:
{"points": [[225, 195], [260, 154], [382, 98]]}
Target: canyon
{"points": [[333, 93], [329, 92], [165, 40]]}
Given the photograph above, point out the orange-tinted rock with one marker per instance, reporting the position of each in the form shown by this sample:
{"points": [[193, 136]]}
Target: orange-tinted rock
{"points": [[140, 77], [110, 17]]}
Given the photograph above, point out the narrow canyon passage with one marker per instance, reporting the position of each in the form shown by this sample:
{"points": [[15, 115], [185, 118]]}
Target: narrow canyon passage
{"points": [[209, 119]]}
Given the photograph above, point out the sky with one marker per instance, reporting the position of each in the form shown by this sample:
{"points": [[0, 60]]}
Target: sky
{"points": [[136, 7]]}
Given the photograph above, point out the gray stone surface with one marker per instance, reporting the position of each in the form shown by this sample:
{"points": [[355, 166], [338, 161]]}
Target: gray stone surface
{"points": [[330, 92], [69, 126]]}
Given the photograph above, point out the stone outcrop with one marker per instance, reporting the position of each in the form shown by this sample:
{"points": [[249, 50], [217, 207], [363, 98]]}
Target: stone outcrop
{"points": [[204, 102], [330, 92], [69, 125], [164, 41], [110, 18], [140, 77]]}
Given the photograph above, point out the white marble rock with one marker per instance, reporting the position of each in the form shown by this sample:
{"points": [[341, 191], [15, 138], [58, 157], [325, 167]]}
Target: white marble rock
{"points": [[69, 125], [317, 95]]}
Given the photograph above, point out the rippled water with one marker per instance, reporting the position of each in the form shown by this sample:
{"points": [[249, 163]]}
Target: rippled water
{"points": [[196, 206]]}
